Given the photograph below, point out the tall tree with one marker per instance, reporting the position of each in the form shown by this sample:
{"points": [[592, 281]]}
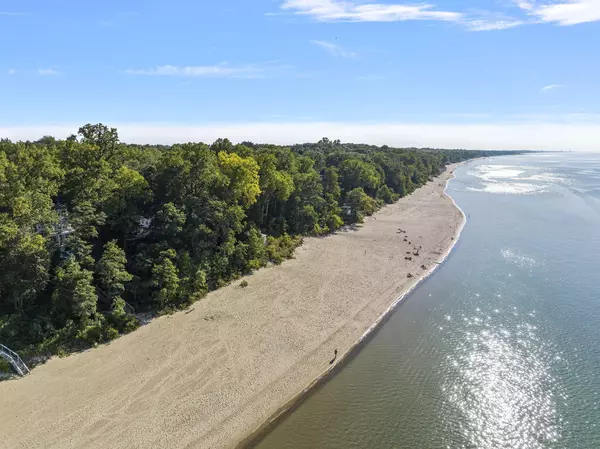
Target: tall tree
{"points": [[242, 185], [125, 203], [74, 295], [165, 279], [359, 174], [111, 271], [105, 138]]}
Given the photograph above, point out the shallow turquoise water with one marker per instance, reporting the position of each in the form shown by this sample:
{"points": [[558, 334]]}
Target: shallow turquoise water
{"points": [[500, 348]]}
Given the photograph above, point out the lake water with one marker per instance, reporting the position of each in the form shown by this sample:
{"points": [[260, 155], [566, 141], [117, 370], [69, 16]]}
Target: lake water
{"points": [[500, 348]]}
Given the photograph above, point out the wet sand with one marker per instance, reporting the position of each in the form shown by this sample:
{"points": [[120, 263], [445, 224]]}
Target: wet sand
{"points": [[211, 377]]}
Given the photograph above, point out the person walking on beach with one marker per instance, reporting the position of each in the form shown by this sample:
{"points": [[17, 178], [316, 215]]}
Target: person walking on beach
{"points": [[334, 357]]}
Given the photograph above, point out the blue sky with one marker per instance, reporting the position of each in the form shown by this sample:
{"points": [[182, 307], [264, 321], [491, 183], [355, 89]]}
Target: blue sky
{"points": [[462, 73]]}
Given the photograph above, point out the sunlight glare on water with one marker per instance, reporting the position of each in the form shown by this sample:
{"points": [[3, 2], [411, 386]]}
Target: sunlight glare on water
{"points": [[501, 385], [499, 348]]}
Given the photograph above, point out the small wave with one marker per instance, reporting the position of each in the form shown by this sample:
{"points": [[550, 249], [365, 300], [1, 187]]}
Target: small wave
{"points": [[492, 172], [510, 188], [518, 259], [588, 172], [546, 177]]}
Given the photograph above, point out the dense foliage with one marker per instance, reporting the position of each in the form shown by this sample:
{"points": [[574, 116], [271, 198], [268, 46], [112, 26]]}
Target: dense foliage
{"points": [[93, 230]]}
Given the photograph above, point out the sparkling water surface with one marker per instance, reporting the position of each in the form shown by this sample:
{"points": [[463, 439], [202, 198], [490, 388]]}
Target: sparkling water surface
{"points": [[500, 348]]}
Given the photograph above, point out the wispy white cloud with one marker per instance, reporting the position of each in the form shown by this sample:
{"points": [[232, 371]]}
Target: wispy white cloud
{"points": [[335, 50], [357, 11], [212, 71], [524, 4], [489, 24], [336, 10], [12, 14], [11, 71], [48, 72], [561, 12], [567, 12], [551, 87], [582, 135]]}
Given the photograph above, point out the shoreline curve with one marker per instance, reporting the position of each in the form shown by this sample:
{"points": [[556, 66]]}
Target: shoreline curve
{"points": [[256, 436]]}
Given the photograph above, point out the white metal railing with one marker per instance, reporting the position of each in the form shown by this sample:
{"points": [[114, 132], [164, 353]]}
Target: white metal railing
{"points": [[14, 359]]}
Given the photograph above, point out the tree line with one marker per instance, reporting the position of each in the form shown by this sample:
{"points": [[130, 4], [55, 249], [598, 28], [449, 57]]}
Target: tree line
{"points": [[93, 230]]}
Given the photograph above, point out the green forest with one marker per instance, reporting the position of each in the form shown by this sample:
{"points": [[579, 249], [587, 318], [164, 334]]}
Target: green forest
{"points": [[94, 231]]}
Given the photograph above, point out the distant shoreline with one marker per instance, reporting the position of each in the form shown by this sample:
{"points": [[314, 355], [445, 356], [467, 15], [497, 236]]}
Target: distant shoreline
{"points": [[217, 376]]}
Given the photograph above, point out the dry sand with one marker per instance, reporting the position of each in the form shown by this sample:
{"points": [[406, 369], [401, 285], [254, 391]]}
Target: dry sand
{"points": [[210, 377]]}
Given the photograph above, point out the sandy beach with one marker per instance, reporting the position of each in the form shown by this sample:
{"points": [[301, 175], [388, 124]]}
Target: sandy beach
{"points": [[211, 376]]}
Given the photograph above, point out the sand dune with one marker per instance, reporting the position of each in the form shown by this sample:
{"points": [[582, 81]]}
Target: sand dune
{"points": [[210, 377]]}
